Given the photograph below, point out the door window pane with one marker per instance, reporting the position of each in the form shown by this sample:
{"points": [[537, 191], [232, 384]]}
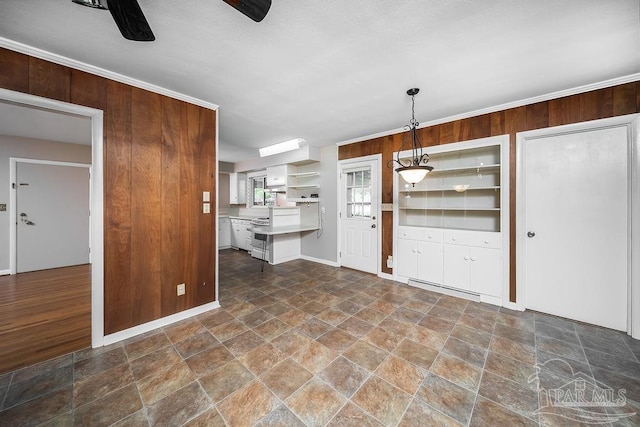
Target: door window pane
{"points": [[359, 194]]}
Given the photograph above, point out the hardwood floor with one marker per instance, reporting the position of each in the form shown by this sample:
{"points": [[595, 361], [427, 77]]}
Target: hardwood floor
{"points": [[44, 314]]}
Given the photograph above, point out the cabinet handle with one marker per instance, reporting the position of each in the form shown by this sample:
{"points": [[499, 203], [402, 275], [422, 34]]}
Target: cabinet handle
{"points": [[414, 251], [419, 251], [473, 259], [453, 239], [466, 258], [486, 242], [429, 237]]}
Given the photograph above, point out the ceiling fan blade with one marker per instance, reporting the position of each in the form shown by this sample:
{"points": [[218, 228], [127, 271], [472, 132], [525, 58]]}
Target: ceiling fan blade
{"points": [[130, 20], [254, 9]]}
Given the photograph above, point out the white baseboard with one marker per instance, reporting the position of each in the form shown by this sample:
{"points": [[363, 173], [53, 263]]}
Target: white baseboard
{"points": [[385, 276], [445, 290], [5, 272], [158, 323], [319, 261]]}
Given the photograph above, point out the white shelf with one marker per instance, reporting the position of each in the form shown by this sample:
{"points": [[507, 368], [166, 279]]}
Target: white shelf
{"points": [[303, 174], [304, 200], [464, 169], [437, 190], [301, 187], [448, 209]]}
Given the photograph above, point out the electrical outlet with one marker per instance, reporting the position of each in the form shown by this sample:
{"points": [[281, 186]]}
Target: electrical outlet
{"points": [[323, 210], [390, 262], [181, 289]]}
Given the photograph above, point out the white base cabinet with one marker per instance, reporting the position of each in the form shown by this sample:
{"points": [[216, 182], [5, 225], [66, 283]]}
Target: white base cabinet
{"points": [[420, 254], [464, 260], [478, 270], [240, 235]]}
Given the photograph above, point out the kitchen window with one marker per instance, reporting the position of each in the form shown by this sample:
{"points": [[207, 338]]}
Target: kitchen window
{"points": [[259, 194]]}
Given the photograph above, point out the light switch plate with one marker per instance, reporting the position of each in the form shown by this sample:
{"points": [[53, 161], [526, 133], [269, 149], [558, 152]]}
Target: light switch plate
{"points": [[206, 208], [206, 196]]}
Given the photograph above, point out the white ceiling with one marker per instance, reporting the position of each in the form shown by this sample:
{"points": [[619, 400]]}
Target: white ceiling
{"points": [[333, 70]]}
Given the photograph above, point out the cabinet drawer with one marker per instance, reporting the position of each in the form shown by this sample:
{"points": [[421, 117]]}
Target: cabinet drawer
{"points": [[420, 233], [473, 238]]}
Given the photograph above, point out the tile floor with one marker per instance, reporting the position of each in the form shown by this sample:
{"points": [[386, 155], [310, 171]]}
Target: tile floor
{"points": [[307, 344]]}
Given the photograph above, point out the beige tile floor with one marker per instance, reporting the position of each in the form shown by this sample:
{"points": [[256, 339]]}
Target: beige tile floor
{"points": [[303, 344]]}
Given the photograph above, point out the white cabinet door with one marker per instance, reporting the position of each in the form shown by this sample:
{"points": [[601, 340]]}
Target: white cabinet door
{"points": [[430, 262], [234, 234], [486, 271], [456, 266], [224, 233], [406, 259], [237, 188], [277, 175]]}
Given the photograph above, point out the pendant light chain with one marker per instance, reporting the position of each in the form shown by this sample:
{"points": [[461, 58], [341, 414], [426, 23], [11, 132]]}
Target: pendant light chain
{"points": [[416, 169]]}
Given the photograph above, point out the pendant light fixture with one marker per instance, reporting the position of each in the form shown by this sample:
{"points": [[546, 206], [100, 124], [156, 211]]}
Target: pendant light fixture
{"points": [[413, 170]]}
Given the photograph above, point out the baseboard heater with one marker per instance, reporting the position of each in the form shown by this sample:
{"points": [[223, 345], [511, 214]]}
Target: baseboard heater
{"points": [[445, 290]]}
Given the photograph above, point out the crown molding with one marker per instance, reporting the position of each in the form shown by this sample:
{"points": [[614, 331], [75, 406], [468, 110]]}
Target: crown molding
{"points": [[514, 104], [72, 63]]}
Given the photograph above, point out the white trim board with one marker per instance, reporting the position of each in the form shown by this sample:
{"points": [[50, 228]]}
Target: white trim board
{"points": [[506, 106], [72, 63], [319, 261], [159, 323]]}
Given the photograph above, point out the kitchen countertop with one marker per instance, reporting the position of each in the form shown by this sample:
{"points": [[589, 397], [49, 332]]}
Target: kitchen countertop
{"points": [[270, 231]]}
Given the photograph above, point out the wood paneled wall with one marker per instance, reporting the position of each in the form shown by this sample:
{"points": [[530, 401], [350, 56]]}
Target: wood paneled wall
{"points": [[159, 156], [598, 104]]}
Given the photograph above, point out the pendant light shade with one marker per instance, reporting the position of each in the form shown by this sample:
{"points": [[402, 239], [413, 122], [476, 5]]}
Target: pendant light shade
{"points": [[414, 169], [413, 174]]}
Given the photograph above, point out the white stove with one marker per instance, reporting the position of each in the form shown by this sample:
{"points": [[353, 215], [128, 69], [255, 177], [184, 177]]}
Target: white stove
{"points": [[259, 243]]}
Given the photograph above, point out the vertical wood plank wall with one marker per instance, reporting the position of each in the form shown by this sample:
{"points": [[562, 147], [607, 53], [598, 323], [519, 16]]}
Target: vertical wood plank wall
{"points": [[159, 156], [598, 104]]}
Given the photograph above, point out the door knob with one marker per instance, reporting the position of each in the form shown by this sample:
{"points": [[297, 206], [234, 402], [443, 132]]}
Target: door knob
{"points": [[373, 226], [531, 234]]}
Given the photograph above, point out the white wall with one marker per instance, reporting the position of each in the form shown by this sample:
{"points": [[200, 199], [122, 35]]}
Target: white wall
{"points": [[12, 146], [325, 247]]}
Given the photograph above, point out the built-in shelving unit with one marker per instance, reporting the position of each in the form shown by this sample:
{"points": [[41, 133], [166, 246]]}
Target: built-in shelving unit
{"points": [[452, 227], [463, 192], [301, 185]]}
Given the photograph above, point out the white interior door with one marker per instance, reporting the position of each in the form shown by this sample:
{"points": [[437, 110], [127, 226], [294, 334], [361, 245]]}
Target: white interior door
{"points": [[359, 216], [52, 216], [576, 219]]}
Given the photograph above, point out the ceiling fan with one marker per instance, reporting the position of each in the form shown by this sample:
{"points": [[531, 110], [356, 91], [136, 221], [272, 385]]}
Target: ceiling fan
{"points": [[134, 26]]}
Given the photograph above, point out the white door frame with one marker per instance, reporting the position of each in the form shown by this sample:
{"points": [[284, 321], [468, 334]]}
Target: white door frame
{"points": [[13, 227], [632, 123], [375, 158], [97, 215]]}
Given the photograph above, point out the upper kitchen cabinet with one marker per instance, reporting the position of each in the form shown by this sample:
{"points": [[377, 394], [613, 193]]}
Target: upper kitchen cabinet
{"points": [[277, 175], [237, 188]]}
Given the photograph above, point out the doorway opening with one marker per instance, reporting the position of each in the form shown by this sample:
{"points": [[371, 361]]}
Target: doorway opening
{"points": [[576, 229], [63, 109], [359, 213]]}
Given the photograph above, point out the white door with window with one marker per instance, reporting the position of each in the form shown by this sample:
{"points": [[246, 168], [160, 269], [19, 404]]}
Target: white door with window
{"points": [[575, 225], [52, 215], [359, 216]]}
